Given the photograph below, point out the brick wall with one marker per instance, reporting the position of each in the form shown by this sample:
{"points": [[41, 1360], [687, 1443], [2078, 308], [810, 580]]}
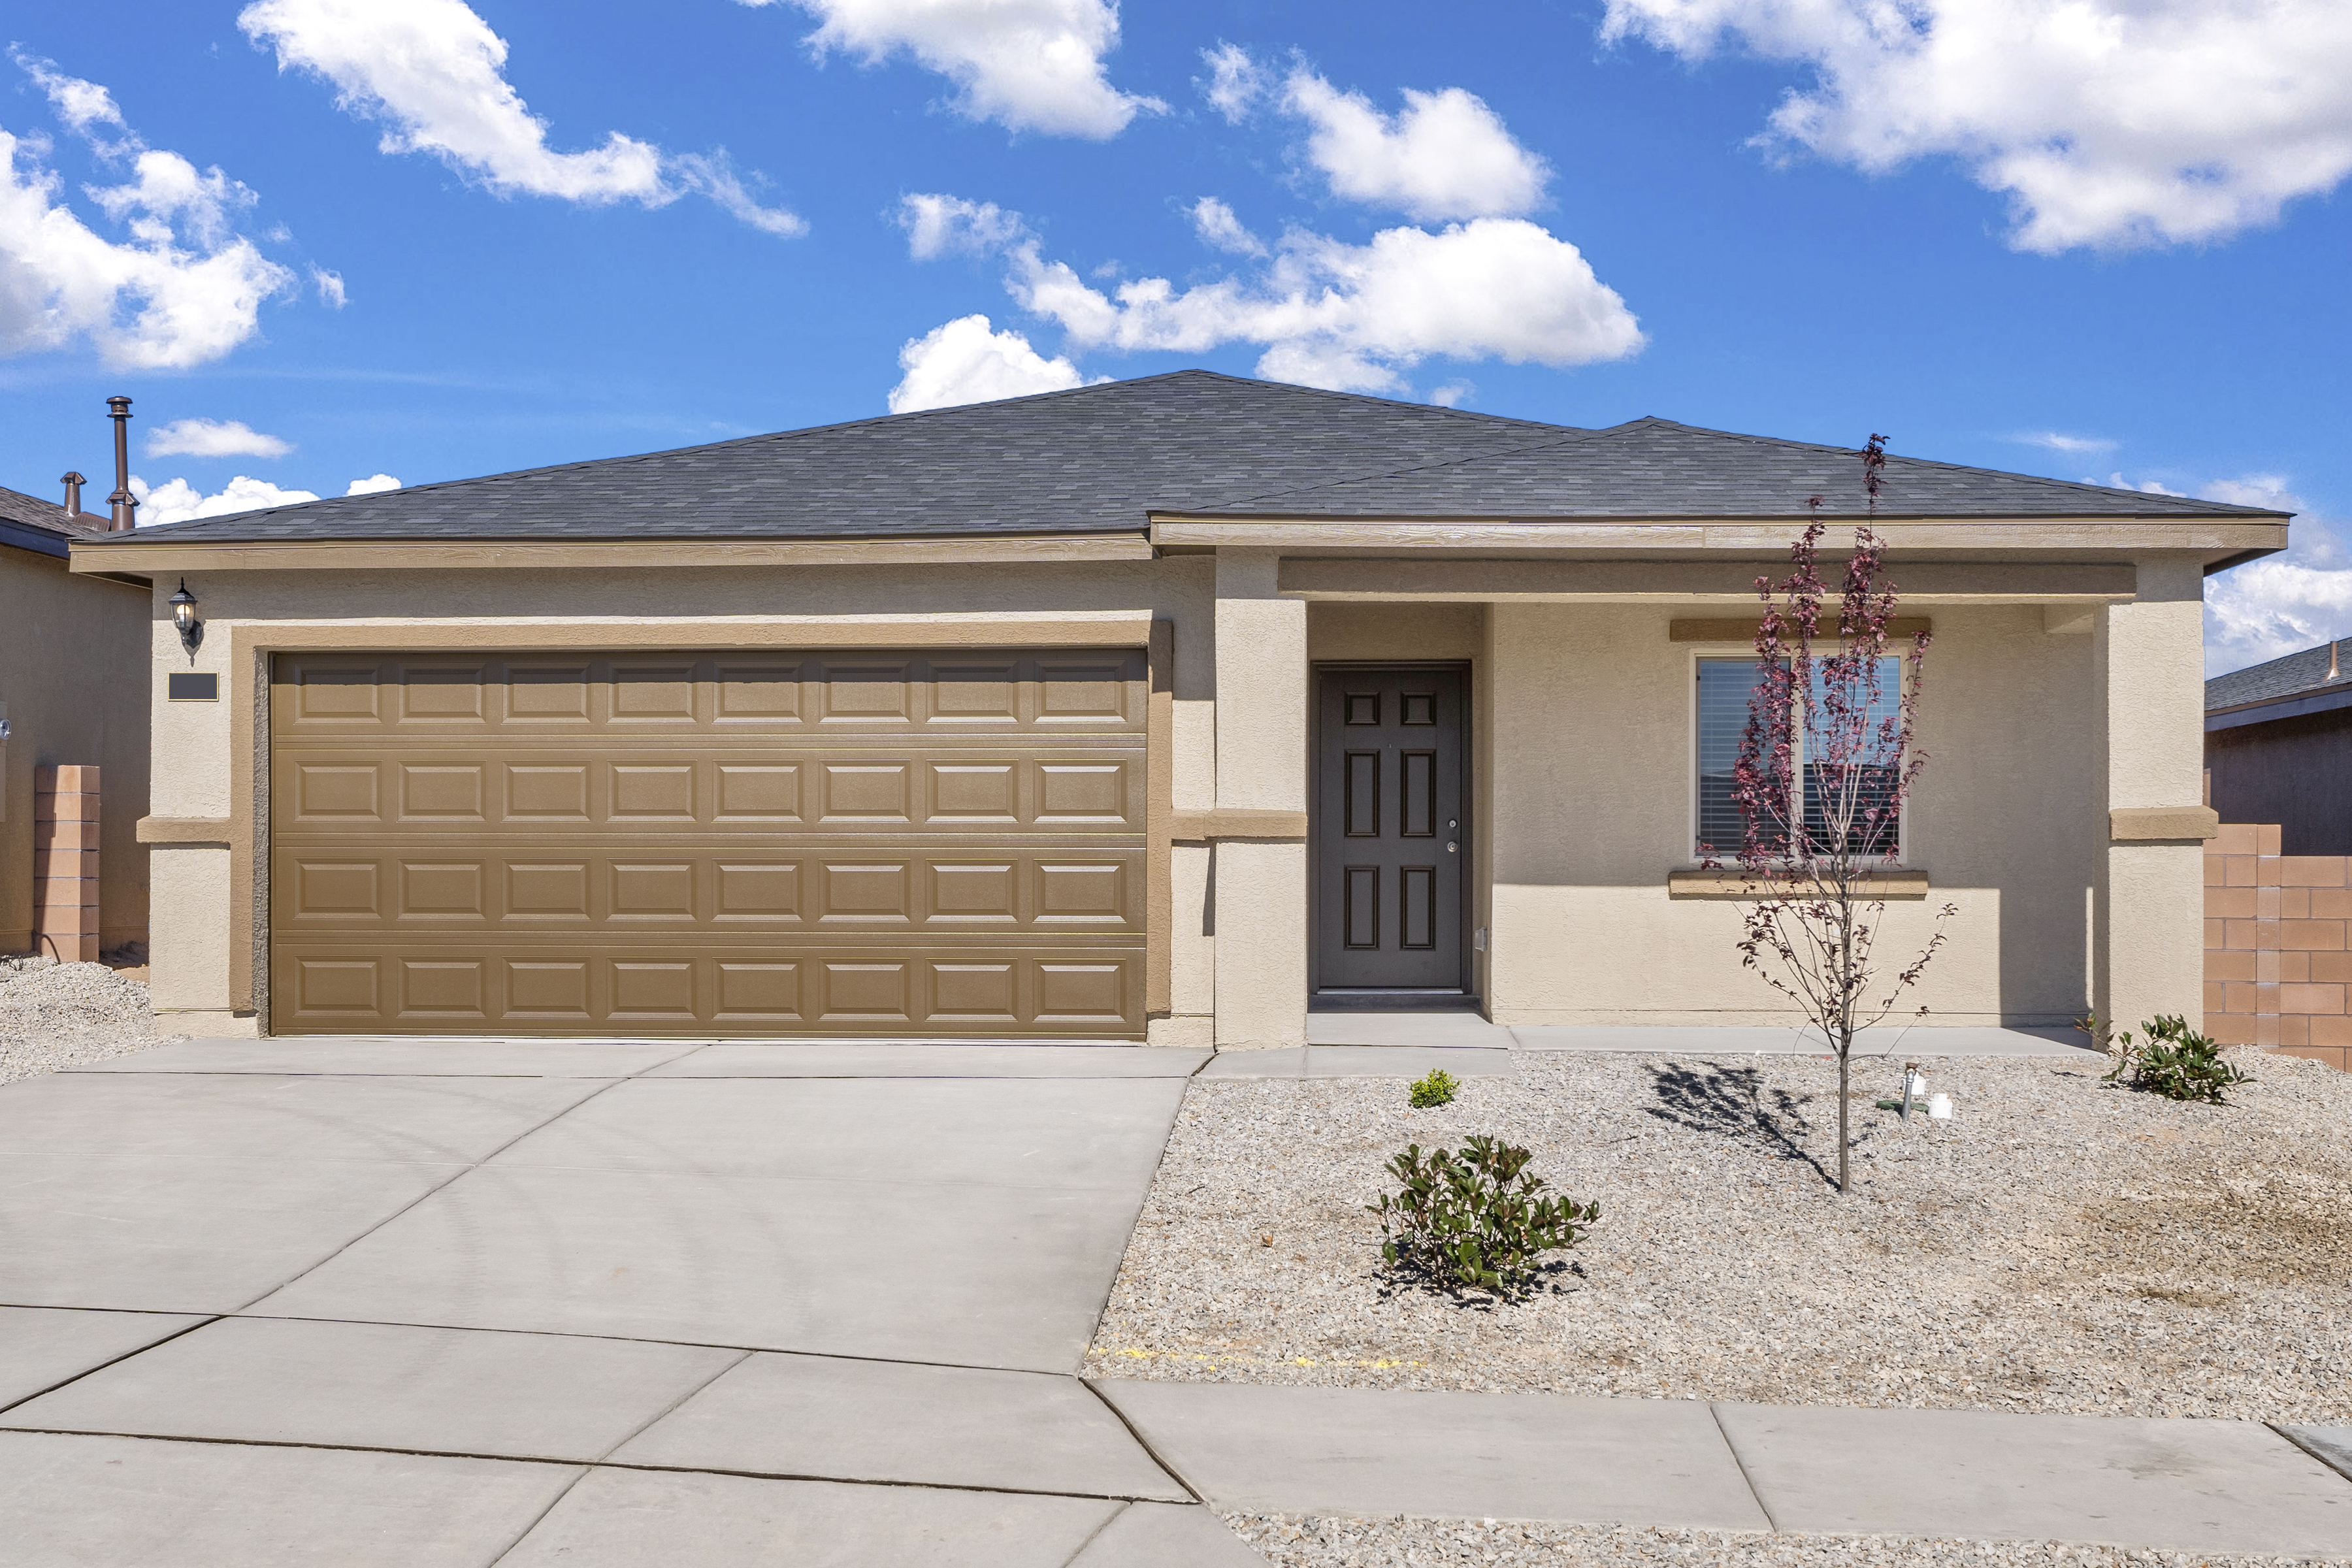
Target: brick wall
{"points": [[65, 863], [2277, 966]]}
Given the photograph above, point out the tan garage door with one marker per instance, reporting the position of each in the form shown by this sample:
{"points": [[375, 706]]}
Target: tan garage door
{"points": [[860, 843]]}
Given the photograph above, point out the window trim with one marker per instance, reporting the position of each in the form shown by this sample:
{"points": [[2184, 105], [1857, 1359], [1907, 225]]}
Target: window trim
{"points": [[1899, 859]]}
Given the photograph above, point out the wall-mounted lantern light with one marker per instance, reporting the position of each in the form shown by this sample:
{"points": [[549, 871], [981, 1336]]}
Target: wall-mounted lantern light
{"points": [[183, 616]]}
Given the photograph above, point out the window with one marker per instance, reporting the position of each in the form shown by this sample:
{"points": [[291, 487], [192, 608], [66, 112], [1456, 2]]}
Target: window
{"points": [[1724, 686]]}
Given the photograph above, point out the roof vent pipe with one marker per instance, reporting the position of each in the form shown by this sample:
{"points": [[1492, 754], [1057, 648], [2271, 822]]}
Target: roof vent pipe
{"points": [[125, 504], [73, 483], [2332, 673]]}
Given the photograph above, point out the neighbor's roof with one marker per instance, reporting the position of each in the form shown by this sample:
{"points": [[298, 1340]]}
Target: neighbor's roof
{"points": [[29, 523], [2293, 676], [1102, 460]]}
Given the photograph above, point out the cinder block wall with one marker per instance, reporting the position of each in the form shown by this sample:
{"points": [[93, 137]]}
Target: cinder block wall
{"points": [[2277, 964]]}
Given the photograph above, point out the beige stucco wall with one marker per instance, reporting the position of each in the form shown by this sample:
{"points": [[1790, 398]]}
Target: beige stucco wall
{"points": [[73, 679], [1591, 771]]}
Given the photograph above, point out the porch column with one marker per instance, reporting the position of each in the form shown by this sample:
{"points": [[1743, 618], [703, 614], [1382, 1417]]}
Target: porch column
{"points": [[1261, 857], [2148, 879]]}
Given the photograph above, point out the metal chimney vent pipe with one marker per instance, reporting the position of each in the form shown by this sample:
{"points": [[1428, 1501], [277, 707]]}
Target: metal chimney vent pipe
{"points": [[73, 483], [125, 505]]}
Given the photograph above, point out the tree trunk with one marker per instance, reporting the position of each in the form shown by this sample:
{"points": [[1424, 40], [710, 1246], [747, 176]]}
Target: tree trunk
{"points": [[1845, 1103]]}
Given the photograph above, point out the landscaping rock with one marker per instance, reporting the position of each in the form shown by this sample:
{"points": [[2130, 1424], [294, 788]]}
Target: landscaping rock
{"points": [[56, 1014], [2061, 1244]]}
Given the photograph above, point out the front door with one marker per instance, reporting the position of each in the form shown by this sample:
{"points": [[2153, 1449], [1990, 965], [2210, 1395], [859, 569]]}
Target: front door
{"points": [[1390, 830]]}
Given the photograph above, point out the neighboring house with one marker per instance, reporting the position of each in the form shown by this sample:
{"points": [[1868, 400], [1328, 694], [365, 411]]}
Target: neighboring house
{"points": [[2278, 748], [1162, 709], [74, 662]]}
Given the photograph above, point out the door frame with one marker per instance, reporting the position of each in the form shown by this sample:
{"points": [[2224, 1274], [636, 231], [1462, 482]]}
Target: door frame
{"points": [[1468, 997]]}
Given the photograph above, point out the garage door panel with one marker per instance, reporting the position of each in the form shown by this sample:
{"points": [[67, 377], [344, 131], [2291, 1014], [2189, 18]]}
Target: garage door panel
{"points": [[832, 843]]}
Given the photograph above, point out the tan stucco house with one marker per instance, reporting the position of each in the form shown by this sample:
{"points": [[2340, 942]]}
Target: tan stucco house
{"points": [[1168, 710], [74, 667]]}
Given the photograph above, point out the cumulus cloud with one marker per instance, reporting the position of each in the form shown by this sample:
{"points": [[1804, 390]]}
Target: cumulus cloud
{"points": [[329, 286], [2058, 441], [1214, 222], [1236, 82], [1445, 155], [1028, 65], [433, 73], [181, 291], [213, 438], [2107, 124], [177, 500], [84, 106], [371, 485], [1330, 314], [965, 362]]}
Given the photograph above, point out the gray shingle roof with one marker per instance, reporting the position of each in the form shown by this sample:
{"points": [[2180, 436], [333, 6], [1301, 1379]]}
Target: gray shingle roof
{"points": [[1099, 459], [2297, 672], [31, 524]]}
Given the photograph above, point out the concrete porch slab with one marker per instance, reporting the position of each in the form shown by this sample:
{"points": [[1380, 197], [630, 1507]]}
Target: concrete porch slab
{"points": [[41, 1347], [374, 1385], [1162, 1535], [2331, 1446], [1362, 1061], [792, 1060], [1431, 1028], [1709, 1040], [298, 1055], [130, 1502], [634, 1519], [823, 1418], [1374, 1452], [2162, 1485]]}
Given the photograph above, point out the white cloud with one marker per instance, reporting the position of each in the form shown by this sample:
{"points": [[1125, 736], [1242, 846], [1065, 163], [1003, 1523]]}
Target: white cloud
{"points": [[1446, 155], [1214, 222], [181, 290], [330, 284], [82, 105], [1235, 83], [2146, 487], [1452, 394], [371, 485], [2058, 441], [2107, 123], [1028, 65], [213, 438], [177, 500], [1330, 314], [433, 73], [965, 362]]}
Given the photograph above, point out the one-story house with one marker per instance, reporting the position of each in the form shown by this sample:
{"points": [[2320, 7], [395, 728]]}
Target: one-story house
{"points": [[73, 694], [1162, 709], [2278, 748]]}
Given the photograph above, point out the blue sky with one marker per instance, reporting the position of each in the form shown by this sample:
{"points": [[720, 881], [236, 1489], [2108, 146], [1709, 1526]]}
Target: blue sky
{"points": [[432, 239]]}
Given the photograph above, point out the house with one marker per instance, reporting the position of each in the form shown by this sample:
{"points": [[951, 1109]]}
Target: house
{"points": [[1166, 709], [2278, 748], [74, 666]]}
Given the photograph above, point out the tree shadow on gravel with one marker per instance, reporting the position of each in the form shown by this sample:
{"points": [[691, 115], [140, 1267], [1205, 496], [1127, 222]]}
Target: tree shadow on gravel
{"points": [[1730, 1102]]}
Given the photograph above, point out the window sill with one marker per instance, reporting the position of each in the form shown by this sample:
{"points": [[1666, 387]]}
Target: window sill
{"points": [[1893, 883]]}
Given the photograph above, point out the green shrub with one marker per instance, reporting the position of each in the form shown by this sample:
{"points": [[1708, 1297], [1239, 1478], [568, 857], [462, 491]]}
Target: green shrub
{"points": [[2176, 1061], [1478, 1219], [1435, 1089]]}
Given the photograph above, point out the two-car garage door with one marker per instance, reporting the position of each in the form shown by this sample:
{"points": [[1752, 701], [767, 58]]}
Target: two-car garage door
{"points": [[852, 843]]}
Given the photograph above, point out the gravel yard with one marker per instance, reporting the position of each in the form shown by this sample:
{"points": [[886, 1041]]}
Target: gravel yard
{"points": [[2060, 1244], [56, 1014], [1294, 1541]]}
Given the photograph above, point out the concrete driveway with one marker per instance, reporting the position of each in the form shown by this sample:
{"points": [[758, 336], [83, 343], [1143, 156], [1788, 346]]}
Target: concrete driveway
{"points": [[417, 1303]]}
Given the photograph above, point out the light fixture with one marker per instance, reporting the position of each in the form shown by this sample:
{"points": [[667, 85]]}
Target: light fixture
{"points": [[183, 616]]}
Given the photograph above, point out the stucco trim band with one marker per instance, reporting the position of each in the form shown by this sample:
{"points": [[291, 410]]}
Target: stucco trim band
{"points": [[1233, 822], [2079, 587], [1879, 885], [1741, 631], [2163, 823], [365, 556], [217, 831]]}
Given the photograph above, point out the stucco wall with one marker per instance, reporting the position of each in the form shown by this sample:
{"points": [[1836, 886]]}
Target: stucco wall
{"points": [[73, 676], [1590, 761]]}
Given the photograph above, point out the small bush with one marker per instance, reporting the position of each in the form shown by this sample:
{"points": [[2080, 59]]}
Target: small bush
{"points": [[1478, 1219], [2176, 1061], [1436, 1089]]}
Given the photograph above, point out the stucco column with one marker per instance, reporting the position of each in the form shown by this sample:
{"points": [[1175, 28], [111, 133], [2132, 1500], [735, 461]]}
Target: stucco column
{"points": [[2148, 880], [1261, 881]]}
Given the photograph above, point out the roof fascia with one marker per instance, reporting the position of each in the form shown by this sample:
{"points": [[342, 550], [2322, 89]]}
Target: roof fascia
{"points": [[2293, 705], [39, 541], [155, 555], [1458, 578]]}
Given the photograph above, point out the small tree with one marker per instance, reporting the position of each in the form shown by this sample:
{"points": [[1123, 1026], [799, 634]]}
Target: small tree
{"points": [[1826, 766]]}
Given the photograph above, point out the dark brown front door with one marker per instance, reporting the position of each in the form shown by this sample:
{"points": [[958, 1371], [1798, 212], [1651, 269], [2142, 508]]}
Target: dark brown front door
{"points": [[1391, 829]]}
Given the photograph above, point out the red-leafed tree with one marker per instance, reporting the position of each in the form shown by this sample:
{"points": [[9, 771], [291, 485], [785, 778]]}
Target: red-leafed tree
{"points": [[1826, 766]]}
